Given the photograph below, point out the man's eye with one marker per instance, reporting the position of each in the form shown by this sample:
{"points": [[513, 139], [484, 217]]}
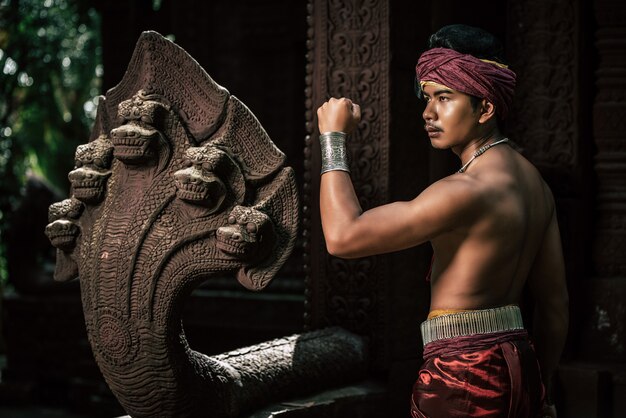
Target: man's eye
{"points": [[443, 98]]}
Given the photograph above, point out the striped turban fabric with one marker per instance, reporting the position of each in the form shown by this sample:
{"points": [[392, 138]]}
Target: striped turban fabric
{"points": [[468, 74]]}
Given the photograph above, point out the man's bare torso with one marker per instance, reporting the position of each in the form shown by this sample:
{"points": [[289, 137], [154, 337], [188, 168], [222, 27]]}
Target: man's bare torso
{"points": [[485, 261]]}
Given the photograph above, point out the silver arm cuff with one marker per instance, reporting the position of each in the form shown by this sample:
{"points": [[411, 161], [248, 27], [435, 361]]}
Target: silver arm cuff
{"points": [[334, 155]]}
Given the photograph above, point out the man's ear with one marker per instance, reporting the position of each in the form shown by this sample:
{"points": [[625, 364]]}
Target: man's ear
{"points": [[487, 111]]}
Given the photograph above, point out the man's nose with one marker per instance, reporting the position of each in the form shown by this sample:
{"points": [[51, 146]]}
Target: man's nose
{"points": [[428, 113]]}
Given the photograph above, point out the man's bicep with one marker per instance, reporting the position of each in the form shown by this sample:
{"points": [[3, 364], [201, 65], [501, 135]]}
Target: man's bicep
{"points": [[440, 209], [401, 225]]}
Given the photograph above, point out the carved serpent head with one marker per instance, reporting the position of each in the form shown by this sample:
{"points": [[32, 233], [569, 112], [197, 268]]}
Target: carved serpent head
{"points": [[134, 144], [248, 235], [62, 231], [143, 107], [93, 163], [136, 140], [202, 182]]}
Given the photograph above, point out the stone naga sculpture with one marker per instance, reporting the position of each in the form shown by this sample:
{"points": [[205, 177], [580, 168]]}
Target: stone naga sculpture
{"points": [[180, 183]]}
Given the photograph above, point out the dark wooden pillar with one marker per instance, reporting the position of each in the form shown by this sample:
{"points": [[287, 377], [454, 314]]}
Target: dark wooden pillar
{"points": [[609, 134], [349, 56], [603, 335], [367, 50], [572, 128]]}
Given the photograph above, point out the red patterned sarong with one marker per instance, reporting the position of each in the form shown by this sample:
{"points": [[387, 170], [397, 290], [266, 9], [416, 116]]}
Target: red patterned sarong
{"points": [[485, 375]]}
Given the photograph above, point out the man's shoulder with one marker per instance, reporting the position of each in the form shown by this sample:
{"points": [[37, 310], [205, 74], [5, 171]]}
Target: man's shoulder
{"points": [[459, 186], [455, 193]]}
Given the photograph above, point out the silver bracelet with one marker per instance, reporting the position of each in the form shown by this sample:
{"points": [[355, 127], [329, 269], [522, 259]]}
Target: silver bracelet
{"points": [[334, 155]]}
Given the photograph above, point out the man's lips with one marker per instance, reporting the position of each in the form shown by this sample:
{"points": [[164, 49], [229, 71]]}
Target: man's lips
{"points": [[431, 128]]}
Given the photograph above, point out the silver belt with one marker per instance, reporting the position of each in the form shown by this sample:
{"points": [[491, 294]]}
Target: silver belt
{"points": [[482, 321]]}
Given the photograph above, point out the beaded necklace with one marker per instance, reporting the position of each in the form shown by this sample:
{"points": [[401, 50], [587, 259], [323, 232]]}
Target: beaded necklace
{"points": [[481, 151]]}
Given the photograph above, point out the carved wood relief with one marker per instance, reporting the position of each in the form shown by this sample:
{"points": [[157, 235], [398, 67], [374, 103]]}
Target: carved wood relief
{"points": [[542, 43], [348, 56], [559, 71], [609, 127]]}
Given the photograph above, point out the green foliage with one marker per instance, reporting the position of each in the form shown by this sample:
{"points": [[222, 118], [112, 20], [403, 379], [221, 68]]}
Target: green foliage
{"points": [[50, 70]]}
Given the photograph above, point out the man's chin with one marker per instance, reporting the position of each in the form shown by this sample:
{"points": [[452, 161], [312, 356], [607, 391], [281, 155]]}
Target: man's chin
{"points": [[438, 144]]}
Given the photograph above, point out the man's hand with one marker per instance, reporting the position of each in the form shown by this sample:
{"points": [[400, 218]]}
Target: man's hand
{"points": [[338, 115]]}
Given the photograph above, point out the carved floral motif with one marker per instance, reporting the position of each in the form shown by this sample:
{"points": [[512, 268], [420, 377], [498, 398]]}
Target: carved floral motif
{"points": [[544, 117], [609, 123], [348, 56]]}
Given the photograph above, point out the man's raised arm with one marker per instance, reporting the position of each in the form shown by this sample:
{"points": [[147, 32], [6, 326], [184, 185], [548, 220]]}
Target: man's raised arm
{"points": [[339, 205], [348, 231]]}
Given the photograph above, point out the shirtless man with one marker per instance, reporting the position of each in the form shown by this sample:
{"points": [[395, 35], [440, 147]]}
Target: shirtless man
{"points": [[492, 226]]}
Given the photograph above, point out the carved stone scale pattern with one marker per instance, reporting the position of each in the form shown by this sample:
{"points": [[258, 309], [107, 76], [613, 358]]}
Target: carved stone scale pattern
{"points": [[178, 184], [544, 117], [348, 55]]}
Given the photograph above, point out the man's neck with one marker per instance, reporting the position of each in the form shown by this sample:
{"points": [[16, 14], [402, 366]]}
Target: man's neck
{"points": [[466, 150]]}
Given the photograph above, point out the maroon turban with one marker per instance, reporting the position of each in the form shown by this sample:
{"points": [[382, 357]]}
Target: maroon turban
{"points": [[469, 75]]}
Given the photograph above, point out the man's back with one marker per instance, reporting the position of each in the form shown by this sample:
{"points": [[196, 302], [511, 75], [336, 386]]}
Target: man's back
{"points": [[485, 261]]}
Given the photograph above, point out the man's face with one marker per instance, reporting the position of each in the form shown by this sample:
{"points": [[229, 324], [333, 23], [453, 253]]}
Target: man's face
{"points": [[450, 118]]}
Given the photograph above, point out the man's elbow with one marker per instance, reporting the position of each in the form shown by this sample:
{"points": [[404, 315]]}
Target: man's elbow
{"points": [[339, 247]]}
